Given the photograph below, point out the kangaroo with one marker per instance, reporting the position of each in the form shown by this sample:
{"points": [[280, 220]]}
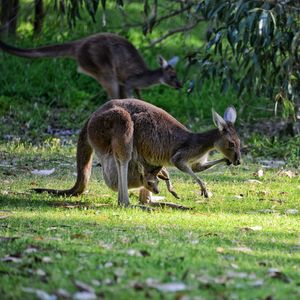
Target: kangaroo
{"points": [[129, 127], [110, 59], [139, 175]]}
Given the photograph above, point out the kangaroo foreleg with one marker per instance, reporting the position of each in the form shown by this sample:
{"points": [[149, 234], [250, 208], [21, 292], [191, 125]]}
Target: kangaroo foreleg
{"points": [[84, 166], [184, 167], [198, 167]]}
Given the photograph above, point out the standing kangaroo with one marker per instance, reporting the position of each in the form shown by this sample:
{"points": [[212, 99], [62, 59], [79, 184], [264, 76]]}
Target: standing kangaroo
{"points": [[112, 60], [128, 128]]}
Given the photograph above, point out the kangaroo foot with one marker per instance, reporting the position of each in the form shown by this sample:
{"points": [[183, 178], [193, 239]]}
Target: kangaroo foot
{"points": [[174, 194], [204, 193]]}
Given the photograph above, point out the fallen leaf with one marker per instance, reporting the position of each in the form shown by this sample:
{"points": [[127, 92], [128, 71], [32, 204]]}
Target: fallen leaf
{"points": [[171, 287], [220, 250], [78, 236], [253, 181], [104, 245], [267, 211], [30, 250], [259, 173], [234, 266], [13, 259], [286, 173], [43, 172], [40, 294], [8, 238], [84, 296], [263, 193], [272, 163], [96, 282], [292, 211], [62, 294], [208, 280], [252, 228], [275, 273], [84, 287], [40, 273], [108, 264], [47, 259], [241, 275], [241, 249], [119, 272], [5, 214], [133, 252], [257, 283]]}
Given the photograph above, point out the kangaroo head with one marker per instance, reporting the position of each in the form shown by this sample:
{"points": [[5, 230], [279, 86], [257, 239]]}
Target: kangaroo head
{"points": [[229, 142], [150, 180], [169, 76]]}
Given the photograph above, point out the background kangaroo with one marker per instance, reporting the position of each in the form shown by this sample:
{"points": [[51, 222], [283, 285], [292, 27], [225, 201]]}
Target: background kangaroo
{"points": [[112, 60], [129, 127]]}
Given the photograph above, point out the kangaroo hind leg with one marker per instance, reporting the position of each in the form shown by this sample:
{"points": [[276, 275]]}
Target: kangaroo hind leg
{"points": [[122, 147]]}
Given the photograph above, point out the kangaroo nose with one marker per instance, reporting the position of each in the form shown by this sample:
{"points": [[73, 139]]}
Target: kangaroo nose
{"points": [[155, 191]]}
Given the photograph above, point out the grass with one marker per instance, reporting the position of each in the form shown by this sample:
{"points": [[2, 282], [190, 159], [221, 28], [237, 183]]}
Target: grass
{"points": [[222, 249]]}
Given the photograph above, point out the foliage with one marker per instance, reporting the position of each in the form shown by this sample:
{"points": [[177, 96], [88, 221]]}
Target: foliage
{"points": [[251, 45], [254, 46], [280, 148], [245, 236]]}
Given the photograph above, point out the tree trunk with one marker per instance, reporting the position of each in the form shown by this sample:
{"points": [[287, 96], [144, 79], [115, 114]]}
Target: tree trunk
{"points": [[9, 17], [38, 16], [4, 17], [13, 17]]}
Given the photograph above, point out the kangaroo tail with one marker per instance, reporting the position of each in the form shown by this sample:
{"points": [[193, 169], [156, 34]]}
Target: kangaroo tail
{"points": [[84, 166], [60, 50]]}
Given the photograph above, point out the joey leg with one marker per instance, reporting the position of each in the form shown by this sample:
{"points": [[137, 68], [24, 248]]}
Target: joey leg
{"points": [[164, 175], [145, 198]]}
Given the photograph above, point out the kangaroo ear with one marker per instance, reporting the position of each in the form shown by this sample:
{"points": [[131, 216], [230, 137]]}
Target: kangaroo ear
{"points": [[218, 120], [173, 61], [230, 114], [163, 63]]}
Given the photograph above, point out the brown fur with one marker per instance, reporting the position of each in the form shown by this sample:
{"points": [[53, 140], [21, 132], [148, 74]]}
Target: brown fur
{"points": [[131, 130], [112, 60]]}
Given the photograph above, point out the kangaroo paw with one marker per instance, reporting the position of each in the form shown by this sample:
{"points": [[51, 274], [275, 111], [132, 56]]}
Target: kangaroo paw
{"points": [[204, 193], [174, 194]]}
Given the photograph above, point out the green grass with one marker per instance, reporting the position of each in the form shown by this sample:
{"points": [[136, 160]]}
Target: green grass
{"points": [[211, 249], [56, 241]]}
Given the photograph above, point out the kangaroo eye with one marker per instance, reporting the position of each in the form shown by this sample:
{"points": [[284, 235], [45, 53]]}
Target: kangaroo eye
{"points": [[231, 145]]}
